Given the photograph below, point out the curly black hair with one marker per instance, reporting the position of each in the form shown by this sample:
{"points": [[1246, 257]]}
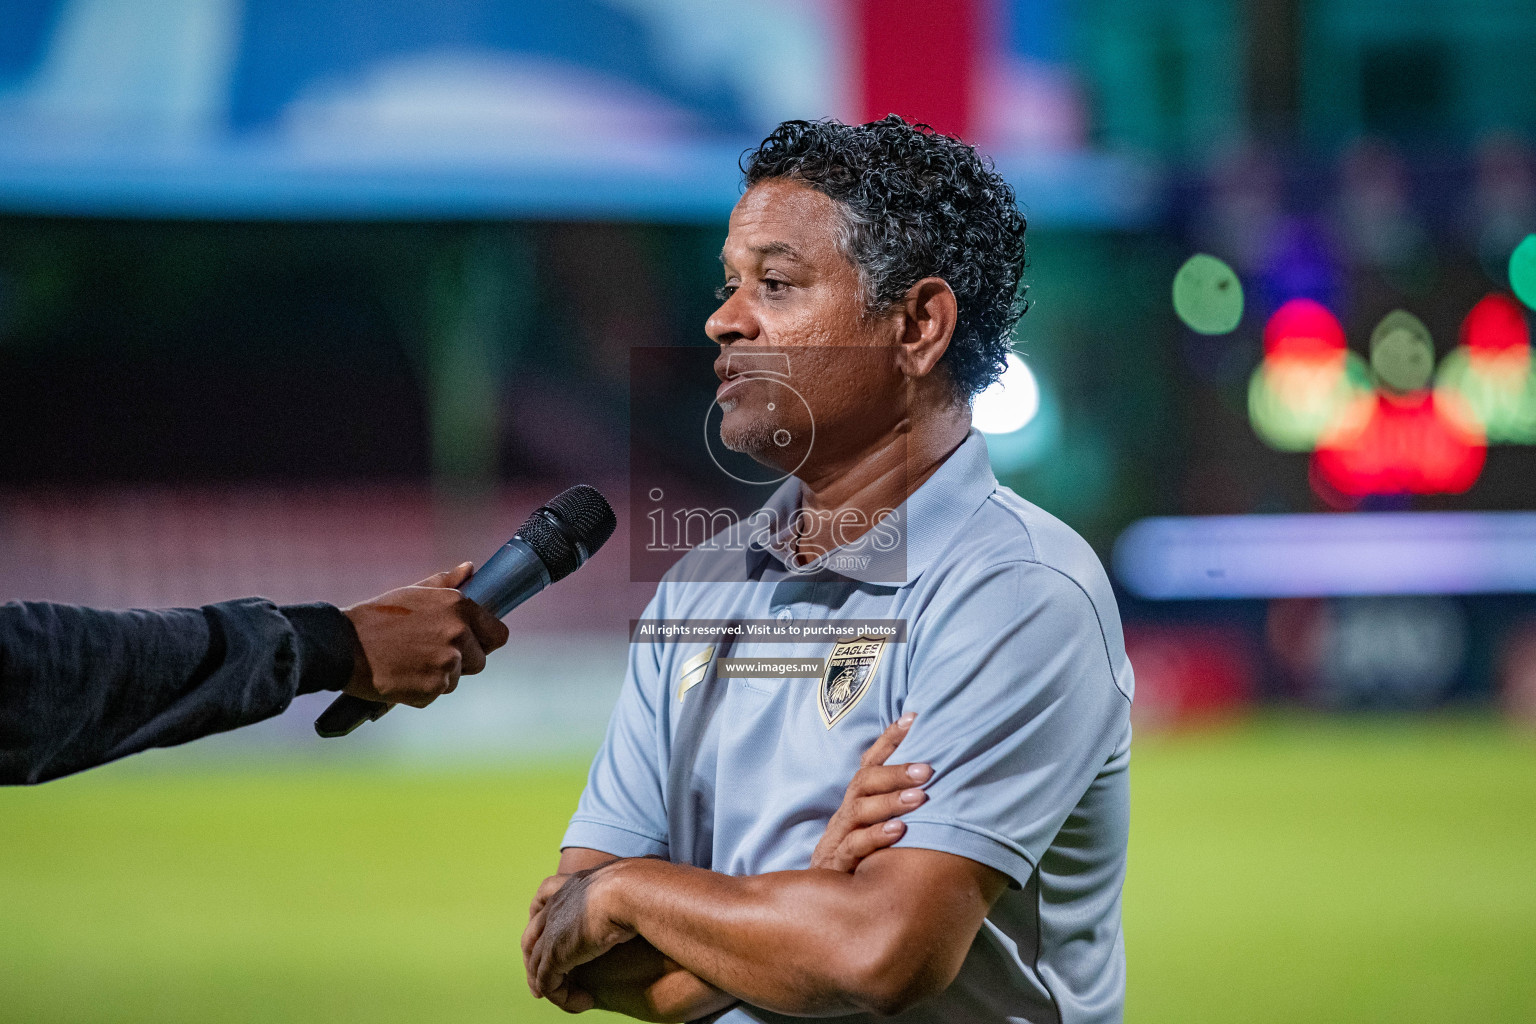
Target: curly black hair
{"points": [[916, 204]]}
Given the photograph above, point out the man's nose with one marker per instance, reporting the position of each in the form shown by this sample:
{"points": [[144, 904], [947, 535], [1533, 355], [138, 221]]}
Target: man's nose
{"points": [[732, 322]]}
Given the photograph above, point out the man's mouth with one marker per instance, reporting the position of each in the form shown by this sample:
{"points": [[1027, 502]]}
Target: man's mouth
{"points": [[725, 398]]}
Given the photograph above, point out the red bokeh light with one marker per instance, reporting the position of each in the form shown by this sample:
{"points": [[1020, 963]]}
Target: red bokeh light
{"points": [[1303, 329], [1495, 325], [1411, 444]]}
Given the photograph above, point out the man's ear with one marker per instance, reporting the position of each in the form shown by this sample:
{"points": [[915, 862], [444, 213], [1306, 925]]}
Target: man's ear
{"points": [[928, 322]]}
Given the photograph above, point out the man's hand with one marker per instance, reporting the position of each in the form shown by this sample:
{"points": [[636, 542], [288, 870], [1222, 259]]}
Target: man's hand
{"points": [[567, 929], [868, 818], [415, 642], [635, 979], [632, 978]]}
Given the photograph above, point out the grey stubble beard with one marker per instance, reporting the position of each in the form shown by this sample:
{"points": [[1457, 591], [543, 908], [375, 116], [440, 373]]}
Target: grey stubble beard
{"points": [[754, 438]]}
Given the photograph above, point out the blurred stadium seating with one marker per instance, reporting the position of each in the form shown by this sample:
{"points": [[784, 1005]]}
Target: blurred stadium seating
{"points": [[151, 547], [548, 693]]}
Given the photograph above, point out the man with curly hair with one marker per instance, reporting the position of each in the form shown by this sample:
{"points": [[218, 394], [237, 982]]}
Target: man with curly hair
{"points": [[717, 865]]}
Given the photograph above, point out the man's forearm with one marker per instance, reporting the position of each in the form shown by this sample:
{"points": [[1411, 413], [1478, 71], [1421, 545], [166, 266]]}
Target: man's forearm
{"points": [[809, 942], [80, 686]]}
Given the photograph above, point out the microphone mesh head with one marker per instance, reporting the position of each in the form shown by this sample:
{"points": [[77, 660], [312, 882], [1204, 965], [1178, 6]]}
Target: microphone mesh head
{"points": [[588, 513], [578, 515]]}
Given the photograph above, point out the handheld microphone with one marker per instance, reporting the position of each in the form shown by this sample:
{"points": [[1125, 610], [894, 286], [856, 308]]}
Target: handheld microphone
{"points": [[555, 541]]}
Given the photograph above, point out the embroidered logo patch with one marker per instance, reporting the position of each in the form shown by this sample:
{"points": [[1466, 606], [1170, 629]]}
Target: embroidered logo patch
{"points": [[849, 670], [692, 671]]}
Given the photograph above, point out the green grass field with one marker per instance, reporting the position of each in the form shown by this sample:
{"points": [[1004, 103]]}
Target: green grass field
{"points": [[1286, 870]]}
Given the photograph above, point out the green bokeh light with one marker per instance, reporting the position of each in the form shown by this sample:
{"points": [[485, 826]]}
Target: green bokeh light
{"points": [[1522, 271], [1293, 404], [1501, 397], [1402, 352], [1207, 295]]}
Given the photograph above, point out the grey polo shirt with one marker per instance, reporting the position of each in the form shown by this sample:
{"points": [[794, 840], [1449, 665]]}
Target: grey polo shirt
{"points": [[1015, 664]]}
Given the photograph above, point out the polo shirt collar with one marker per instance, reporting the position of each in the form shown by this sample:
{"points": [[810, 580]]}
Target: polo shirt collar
{"points": [[928, 520]]}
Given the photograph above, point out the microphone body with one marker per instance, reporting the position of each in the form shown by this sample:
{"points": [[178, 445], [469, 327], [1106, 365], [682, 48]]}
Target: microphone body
{"points": [[509, 577], [555, 541]]}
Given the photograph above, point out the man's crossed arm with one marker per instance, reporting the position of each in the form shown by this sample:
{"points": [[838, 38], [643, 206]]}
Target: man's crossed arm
{"points": [[865, 928]]}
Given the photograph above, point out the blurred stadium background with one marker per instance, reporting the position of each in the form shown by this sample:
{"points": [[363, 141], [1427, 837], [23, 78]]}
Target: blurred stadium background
{"points": [[310, 299]]}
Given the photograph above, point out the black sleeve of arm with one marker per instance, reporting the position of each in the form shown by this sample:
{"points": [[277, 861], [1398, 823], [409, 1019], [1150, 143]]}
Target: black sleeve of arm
{"points": [[80, 687]]}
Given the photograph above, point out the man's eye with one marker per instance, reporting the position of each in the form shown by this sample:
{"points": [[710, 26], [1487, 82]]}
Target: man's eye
{"points": [[773, 286], [725, 291]]}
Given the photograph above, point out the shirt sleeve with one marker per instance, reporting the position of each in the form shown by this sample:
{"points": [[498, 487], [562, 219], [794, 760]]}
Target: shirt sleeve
{"points": [[80, 686], [1017, 712], [623, 809]]}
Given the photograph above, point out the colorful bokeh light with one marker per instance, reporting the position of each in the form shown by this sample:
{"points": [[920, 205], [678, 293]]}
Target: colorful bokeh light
{"points": [[1303, 328], [1405, 439], [1395, 425], [1402, 352], [1207, 295], [1308, 382], [1496, 324], [1372, 430], [1420, 443], [1491, 372], [1522, 271]]}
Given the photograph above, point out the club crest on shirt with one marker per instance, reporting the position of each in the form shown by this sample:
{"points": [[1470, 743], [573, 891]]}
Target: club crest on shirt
{"points": [[846, 678]]}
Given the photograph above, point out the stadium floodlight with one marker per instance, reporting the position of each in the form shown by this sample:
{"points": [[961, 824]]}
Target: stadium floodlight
{"points": [[1010, 402]]}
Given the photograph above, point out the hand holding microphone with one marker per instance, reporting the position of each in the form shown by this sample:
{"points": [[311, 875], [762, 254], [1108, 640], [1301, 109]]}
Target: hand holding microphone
{"points": [[415, 642], [555, 541]]}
